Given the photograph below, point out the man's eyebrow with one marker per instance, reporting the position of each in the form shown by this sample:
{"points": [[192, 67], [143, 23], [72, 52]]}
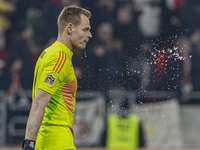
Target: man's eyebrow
{"points": [[87, 27]]}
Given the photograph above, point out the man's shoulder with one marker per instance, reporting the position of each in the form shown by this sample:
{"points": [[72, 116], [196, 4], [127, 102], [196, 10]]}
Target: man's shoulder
{"points": [[55, 54], [55, 49]]}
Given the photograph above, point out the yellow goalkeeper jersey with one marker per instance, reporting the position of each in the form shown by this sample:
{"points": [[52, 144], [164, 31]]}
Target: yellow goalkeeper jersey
{"points": [[54, 74]]}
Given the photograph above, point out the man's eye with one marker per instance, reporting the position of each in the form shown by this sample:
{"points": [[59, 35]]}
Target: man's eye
{"points": [[86, 29]]}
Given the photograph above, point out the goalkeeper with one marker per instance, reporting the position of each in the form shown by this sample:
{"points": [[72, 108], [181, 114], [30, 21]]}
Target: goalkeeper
{"points": [[50, 122]]}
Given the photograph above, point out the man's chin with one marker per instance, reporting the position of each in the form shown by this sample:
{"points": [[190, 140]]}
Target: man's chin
{"points": [[81, 46]]}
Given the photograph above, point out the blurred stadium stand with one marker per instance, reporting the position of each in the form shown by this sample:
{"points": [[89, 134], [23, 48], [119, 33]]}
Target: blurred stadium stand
{"points": [[148, 50]]}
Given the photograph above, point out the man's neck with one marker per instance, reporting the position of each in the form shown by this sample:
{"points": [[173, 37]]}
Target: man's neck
{"points": [[66, 42]]}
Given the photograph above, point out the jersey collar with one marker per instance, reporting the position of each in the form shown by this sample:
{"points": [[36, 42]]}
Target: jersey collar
{"points": [[65, 48]]}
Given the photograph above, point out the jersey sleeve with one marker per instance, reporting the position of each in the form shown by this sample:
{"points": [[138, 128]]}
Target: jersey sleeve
{"points": [[55, 70]]}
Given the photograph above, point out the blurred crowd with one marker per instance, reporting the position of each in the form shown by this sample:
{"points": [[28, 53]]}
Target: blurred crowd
{"points": [[137, 45]]}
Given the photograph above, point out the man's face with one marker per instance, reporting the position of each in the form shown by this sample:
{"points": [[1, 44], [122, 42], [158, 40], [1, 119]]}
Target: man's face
{"points": [[81, 33]]}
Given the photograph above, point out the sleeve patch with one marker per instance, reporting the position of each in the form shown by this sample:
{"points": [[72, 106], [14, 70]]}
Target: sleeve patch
{"points": [[50, 79]]}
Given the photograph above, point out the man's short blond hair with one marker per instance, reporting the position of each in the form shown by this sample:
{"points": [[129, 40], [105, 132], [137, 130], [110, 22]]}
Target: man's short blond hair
{"points": [[71, 14]]}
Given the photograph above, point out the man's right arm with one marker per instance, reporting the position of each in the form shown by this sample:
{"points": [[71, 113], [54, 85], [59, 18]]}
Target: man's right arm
{"points": [[41, 100]]}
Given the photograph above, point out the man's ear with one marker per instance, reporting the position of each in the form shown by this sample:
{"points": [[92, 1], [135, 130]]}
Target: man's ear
{"points": [[69, 28]]}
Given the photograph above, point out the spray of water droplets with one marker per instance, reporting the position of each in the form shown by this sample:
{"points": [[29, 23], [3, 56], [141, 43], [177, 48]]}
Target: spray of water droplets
{"points": [[172, 53], [85, 53]]}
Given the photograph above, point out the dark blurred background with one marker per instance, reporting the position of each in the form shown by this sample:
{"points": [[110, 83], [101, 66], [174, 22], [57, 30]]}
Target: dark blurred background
{"points": [[141, 46]]}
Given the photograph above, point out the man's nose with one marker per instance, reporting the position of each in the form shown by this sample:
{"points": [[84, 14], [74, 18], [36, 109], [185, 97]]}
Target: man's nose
{"points": [[89, 35]]}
